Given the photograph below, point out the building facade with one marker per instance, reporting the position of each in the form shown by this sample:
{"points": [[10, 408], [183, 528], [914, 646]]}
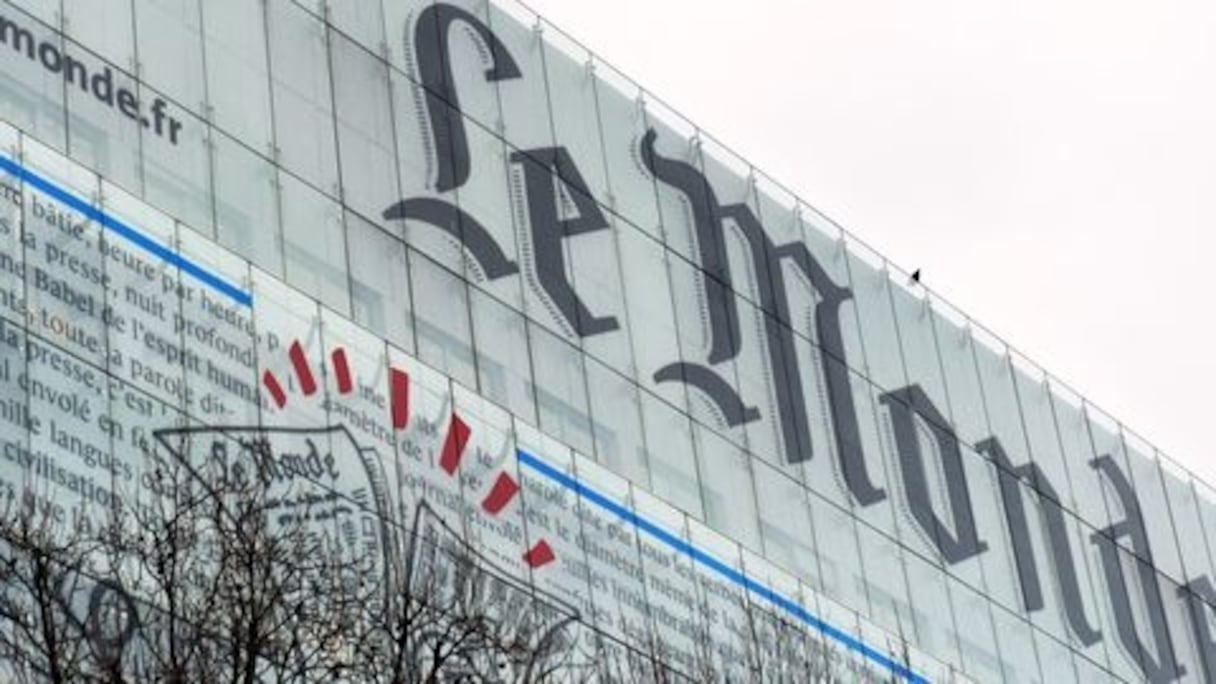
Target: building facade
{"points": [[448, 264]]}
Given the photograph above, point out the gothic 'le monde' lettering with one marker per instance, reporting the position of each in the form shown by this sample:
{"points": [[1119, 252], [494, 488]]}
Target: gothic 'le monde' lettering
{"points": [[923, 439]]}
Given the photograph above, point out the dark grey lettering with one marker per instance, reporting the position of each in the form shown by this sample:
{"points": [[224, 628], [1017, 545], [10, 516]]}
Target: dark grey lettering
{"points": [[1200, 599], [958, 540], [1052, 516], [103, 86], [544, 169], [711, 248], [1163, 665], [767, 260], [127, 103], [18, 38], [454, 221], [431, 35], [734, 412], [74, 72], [49, 55]]}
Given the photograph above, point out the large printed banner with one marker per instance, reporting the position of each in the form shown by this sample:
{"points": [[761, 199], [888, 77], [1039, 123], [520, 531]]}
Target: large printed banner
{"points": [[124, 336], [589, 260]]}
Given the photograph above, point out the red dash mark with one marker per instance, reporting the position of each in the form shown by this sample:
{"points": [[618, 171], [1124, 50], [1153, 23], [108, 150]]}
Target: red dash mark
{"points": [[399, 384], [275, 389], [500, 495], [308, 385], [453, 445], [342, 370], [540, 554]]}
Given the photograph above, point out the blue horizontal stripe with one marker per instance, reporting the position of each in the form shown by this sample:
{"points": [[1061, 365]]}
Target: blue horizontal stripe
{"points": [[130, 234], [725, 571]]}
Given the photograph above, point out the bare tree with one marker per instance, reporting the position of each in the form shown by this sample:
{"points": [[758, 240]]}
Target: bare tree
{"points": [[45, 632], [779, 650], [239, 583], [763, 646], [219, 568], [453, 616], [227, 565]]}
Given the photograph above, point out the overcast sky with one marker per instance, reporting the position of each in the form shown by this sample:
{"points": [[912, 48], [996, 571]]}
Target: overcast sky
{"points": [[1050, 166]]}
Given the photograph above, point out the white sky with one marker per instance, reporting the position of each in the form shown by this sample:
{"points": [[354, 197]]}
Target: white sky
{"points": [[1050, 166]]}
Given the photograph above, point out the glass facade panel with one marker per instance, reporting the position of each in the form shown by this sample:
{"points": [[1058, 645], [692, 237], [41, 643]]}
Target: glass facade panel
{"points": [[839, 554], [561, 389], [291, 326], [955, 345], [238, 76], [361, 21], [177, 176], [883, 572], [993, 571], [504, 366], [379, 282], [247, 204], [676, 614], [573, 108], [1185, 513], [441, 319], [725, 607], [366, 148], [1205, 496], [621, 605], [785, 523], [693, 337], [356, 371], [667, 141], [46, 11], [62, 311], [33, 93], [758, 382], [648, 298], [875, 319], [301, 95], [314, 243], [918, 346], [169, 47], [107, 30], [1017, 638], [726, 488], [1147, 484], [19, 423], [982, 649], [673, 472], [616, 415], [240, 340], [932, 608], [103, 137], [524, 101], [623, 126]]}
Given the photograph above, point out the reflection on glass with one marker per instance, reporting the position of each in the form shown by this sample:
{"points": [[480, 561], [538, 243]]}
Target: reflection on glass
{"points": [[300, 86], [314, 242], [247, 204], [379, 282]]}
